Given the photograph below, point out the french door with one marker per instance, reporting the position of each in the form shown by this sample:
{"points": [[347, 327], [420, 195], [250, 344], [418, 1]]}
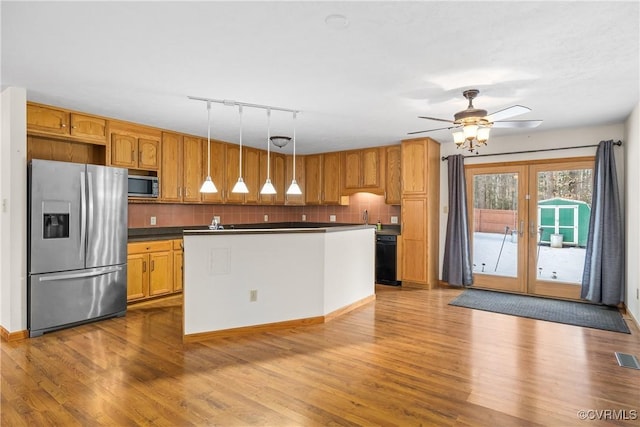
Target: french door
{"points": [[529, 225]]}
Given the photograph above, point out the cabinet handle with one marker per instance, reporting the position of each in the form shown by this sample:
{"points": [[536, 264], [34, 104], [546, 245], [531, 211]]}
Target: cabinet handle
{"points": [[153, 265], [132, 155], [179, 191], [62, 125], [144, 266]]}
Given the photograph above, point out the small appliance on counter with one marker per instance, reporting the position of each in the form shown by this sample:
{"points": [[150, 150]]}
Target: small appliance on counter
{"points": [[77, 244]]}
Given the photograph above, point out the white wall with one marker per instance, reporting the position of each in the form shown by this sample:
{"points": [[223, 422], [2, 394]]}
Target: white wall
{"points": [[539, 141], [13, 210], [632, 183]]}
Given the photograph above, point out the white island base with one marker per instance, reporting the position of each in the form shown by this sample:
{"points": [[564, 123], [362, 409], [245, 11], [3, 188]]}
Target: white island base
{"points": [[239, 281]]}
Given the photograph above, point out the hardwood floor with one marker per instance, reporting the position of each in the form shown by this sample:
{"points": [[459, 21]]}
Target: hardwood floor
{"points": [[406, 359]]}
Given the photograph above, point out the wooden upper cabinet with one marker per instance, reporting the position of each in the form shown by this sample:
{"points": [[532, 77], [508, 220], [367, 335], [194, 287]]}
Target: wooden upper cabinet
{"points": [[171, 170], [89, 127], [330, 172], [192, 173], [251, 171], [313, 179], [362, 170], [135, 147], [277, 174], [416, 154], [300, 179], [58, 122], [42, 119], [217, 162], [393, 186]]}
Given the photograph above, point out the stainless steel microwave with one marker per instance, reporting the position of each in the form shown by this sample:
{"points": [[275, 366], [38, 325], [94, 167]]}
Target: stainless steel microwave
{"points": [[143, 186]]}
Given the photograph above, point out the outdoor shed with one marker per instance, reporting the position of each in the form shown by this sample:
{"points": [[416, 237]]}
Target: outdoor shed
{"points": [[569, 218]]}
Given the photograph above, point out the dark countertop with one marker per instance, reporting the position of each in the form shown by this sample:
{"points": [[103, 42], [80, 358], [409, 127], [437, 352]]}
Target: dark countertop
{"points": [[162, 233]]}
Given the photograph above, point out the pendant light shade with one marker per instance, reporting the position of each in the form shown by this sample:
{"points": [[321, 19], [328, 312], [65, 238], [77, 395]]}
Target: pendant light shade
{"points": [[268, 187], [294, 188], [240, 186], [208, 186]]}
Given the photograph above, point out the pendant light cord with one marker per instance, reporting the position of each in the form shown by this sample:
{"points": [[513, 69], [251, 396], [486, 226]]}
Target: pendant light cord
{"points": [[268, 143], [240, 161], [294, 145], [209, 138]]}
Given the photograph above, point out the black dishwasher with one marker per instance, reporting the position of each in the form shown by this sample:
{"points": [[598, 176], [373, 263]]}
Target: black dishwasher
{"points": [[386, 246]]}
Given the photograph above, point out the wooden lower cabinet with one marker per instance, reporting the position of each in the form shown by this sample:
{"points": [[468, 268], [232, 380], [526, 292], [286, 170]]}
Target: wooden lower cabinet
{"points": [[151, 269], [178, 263]]}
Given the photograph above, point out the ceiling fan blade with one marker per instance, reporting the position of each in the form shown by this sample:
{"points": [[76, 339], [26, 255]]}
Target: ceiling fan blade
{"points": [[507, 113], [435, 118], [432, 130], [520, 124]]}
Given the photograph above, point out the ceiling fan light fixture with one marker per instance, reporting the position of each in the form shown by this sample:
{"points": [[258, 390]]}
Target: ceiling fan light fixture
{"points": [[458, 138], [483, 134], [470, 131]]}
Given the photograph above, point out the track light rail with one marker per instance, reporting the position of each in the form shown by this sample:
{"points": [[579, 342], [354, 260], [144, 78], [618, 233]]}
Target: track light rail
{"points": [[231, 103]]}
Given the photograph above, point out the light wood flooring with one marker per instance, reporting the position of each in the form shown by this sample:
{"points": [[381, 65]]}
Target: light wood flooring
{"points": [[406, 359]]}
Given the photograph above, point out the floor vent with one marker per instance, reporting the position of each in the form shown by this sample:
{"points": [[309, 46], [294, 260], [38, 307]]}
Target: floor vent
{"points": [[627, 360]]}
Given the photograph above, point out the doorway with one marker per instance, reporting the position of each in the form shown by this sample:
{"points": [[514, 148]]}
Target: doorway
{"points": [[529, 225]]}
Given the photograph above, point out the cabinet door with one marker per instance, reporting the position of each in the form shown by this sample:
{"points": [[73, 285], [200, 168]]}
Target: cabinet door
{"points": [[331, 178], [252, 174], [47, 120], [218, 163], [352, 169], [124, 150], [370, 168], [178, 271], [160, 273], [414, 178], [148, 153], [192, 169], [137, 276], [392, 177], [300, 179], [89, 127], [414, 240], [278, 177], [171, 170], [313, 179], [232, 173]]}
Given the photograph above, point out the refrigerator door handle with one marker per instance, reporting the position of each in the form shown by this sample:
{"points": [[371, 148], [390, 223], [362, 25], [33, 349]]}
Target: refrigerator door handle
{"points": [[83, 214], [82, 275], [90, 186]]}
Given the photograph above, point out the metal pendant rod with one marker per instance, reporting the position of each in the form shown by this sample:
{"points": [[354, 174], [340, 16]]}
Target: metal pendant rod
{"points": [[231, 103], [618, 143]]}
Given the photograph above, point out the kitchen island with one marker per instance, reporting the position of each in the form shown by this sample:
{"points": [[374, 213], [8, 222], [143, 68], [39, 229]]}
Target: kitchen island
{"points": [[239, 281]]}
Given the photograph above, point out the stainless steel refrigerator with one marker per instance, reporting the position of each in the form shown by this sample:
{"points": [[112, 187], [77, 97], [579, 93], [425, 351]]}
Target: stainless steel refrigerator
{"points": [[77, 244]]}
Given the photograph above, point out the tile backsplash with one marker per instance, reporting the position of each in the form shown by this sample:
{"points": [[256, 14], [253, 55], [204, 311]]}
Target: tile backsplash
{"points": [[170, 215]]}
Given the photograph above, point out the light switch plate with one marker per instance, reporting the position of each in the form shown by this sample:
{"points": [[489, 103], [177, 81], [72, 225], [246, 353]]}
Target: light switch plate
{"points": [[394, 220]]}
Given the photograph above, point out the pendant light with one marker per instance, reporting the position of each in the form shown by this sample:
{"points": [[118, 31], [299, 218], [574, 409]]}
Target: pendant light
{"points": [[208, 186], [294, 188], [240, 186], [268, 187]]}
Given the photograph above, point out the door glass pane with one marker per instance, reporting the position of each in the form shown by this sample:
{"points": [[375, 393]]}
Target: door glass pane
{"points": [[495, 220], [564, 208]]}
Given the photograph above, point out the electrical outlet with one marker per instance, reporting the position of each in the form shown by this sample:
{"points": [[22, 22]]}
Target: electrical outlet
{"points": [[394, 220], [253, 295], [304, 217], [266, 218], [216, 219], [332, 218], [152, 220]]}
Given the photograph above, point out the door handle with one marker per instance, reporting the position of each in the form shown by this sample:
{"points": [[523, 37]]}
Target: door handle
{"points": [[83, 214], [532, 229], [521, 228]]}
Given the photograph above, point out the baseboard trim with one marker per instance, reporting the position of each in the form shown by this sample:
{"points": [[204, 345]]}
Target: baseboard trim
{"points": [[13, 336], [268, 327]]}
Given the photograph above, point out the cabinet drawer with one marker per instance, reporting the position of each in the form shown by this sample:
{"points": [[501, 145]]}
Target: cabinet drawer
{"points": [[151, 246]]}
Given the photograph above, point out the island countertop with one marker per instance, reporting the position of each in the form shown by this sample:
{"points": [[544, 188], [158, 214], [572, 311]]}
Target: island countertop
{"points": [[245, 231]]}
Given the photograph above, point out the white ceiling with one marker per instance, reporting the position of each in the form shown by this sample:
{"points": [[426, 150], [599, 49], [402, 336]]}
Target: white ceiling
{"points": [[573, 63]]}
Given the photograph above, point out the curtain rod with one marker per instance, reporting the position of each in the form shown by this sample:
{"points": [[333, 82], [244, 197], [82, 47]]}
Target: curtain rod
{"points": [[618, 143], [231, 103]]}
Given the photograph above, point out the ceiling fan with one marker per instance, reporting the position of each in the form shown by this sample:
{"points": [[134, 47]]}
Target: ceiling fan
{"points": [[475, 123]]}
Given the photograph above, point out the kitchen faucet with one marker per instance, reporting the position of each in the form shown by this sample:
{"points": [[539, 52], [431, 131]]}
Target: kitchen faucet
{"points": [[365, 216]]}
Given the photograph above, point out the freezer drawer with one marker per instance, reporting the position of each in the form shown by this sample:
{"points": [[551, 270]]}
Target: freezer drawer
{"points": [[60, 300]]}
